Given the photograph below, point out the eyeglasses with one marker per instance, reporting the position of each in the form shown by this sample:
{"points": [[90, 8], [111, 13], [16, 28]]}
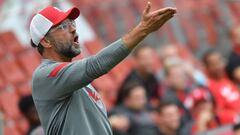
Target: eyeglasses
{"points": [[64, 25]]}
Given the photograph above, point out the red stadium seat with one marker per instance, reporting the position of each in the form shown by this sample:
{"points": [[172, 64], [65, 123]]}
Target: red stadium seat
{"points": [[106, 17], [10, 41], [93, 46], [22, 125], [120, 72], [104, 83], [2, 50], [10, 127], [126, 13], [208, 25], [11, 71], [28, 60], [235, 11], [24, 89], [9, 102], [191, 32], [2, 82]]}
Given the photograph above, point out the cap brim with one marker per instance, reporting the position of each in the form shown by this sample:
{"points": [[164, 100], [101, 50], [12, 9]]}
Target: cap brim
{"points": [[72, 13]]}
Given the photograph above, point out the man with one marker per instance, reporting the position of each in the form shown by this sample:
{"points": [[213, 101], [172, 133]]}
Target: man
{"points": [[143, 71], [224, 92], [176, 87], [233, 65], [201, 105], [66, 102], [134, 108], [174, 52], [26, 106], [170, 120]]}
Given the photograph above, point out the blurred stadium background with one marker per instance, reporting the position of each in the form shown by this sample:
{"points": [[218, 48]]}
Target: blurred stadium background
{"points": [[199, 25]]}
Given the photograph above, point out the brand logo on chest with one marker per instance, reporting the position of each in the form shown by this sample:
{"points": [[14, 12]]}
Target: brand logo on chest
{"points": [[93, 94]]}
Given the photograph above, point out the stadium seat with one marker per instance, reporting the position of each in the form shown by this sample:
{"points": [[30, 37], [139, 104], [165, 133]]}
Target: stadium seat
{"points": [[11, 43], [9, 103], [10, 127], [208, 25], [104, 83], [22, 125], [120, 72], [139, 5], [2, 52], [2, 82], [235, 11], [108, 22], [24, 88], [93, 46], [126, 13], [28, 60], [11, 71], [190, 31]]}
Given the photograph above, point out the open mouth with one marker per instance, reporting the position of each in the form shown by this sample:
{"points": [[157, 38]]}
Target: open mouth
{"points": [[75, 39]]}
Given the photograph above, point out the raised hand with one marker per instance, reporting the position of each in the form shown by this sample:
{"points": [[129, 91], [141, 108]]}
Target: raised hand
{"points": [[150, 22]]}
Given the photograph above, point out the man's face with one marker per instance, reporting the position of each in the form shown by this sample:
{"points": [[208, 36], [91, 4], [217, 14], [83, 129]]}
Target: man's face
{"points": [[145, 60], [64, 39], [177, 78], [170, 117], [137, 98], [215, 65], [236, 36], [169, 52], [236, 74]]}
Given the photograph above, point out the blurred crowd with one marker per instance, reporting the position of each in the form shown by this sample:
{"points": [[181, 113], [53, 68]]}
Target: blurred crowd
{"points": [[186, 95]]}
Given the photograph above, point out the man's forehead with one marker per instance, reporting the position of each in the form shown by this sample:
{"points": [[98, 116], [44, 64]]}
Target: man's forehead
{"points": [[64, 21]]}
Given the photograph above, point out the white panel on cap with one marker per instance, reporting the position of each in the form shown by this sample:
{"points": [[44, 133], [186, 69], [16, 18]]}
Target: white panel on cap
{"points": [[39, 27]]}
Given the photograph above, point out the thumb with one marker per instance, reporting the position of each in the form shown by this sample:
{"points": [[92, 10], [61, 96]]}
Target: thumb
{"points": [[147, 8]]}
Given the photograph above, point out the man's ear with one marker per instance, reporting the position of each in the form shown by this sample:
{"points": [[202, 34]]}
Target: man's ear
{"points": [[45, 43]]}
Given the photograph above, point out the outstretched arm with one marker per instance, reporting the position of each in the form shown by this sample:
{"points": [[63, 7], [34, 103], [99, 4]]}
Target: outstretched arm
{"points": [[78, 74]]}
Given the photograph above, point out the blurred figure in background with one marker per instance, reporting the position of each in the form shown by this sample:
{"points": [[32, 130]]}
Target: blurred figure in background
{"points": [[133, 107], [205, 117], [176, 87], [225, 93], [170, 120], [202, 109], [143, 72], [29, 111], [190, 64], [120, 124], [233, 66]]}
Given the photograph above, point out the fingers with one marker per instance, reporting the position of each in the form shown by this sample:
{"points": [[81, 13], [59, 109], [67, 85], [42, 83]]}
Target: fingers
{"points": [[147, 8], [164, 19], [167, 13], [164, 10]]}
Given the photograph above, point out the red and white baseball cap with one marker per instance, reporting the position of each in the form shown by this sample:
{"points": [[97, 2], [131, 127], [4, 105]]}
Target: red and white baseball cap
{"points": [[47, 18]]}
